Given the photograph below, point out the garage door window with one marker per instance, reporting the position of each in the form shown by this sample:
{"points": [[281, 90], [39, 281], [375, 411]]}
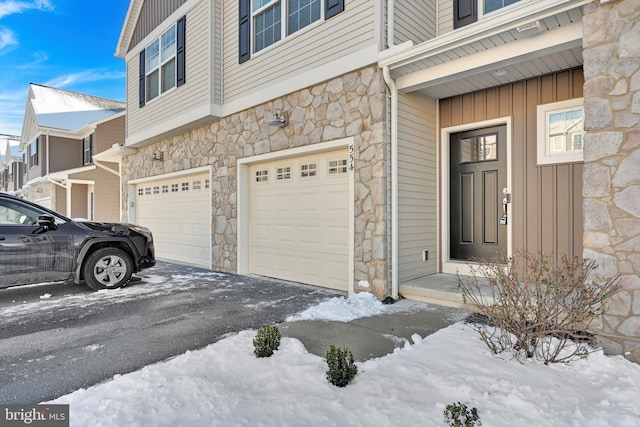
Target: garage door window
{"points": [[185, 186], [308, 170], [283, 173], [174, 188], [337, 166], [140, 191], [165, 189], [197, 185], [262, 176]]}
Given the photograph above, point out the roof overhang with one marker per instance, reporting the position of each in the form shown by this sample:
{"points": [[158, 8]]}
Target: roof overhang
{"points": [[114, 154], [64, 175], [129, 26], [526, 41]]}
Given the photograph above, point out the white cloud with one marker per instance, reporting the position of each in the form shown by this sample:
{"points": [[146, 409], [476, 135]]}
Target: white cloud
{"points": [[84, 77], [7, 38], [39, 57], [10, 7]]}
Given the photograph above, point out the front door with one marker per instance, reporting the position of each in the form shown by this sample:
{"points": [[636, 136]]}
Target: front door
{"points": [[478, 177]]}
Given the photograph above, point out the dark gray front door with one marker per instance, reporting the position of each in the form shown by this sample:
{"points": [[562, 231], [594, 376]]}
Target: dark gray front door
{"points": [[478, 175]]}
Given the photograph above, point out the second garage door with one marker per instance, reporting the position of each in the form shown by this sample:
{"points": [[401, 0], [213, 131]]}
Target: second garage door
{"points": [[178, 212], [299, 219]]}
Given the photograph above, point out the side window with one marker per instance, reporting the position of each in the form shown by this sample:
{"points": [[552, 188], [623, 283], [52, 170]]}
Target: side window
{"points": [[162, 63], [560, 132], [265, 22]]}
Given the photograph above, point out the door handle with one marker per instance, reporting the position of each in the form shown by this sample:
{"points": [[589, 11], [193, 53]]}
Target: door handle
{"points": [[2, 238]]}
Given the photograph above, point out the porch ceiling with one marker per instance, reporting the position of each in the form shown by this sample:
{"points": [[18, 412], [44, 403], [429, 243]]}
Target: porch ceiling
{"points": [[491, 53]]}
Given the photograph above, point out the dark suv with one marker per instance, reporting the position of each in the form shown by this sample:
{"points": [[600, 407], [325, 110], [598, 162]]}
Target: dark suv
{"points": [[39, 245]]}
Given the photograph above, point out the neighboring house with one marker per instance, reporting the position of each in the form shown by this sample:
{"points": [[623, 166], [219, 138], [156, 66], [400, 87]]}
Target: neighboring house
{"points": [[11, 164], [374, 145], [61, 133]]}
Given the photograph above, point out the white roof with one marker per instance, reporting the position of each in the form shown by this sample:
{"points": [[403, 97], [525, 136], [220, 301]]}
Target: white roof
{"points": [[71, 111]]}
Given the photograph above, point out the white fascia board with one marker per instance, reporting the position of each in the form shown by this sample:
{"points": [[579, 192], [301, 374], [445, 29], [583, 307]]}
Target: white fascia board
{"points": [[113, 154], [517, 15], [354, 61], [513, 52], [128, 27]]}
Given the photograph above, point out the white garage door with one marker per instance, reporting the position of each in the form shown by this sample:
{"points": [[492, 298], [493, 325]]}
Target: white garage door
{"points": [[299, 219], [177, 210]]}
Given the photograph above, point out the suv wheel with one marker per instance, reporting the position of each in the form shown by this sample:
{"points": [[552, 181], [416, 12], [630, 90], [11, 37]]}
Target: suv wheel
{"points": [[108, 268]]}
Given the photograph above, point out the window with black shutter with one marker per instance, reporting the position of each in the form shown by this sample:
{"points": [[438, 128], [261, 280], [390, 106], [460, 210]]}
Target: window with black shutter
{"points": [[265, 16], [163, 63], [465, 12]]}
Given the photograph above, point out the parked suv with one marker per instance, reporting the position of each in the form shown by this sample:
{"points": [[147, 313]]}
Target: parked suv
{"points": [[39, 245]]}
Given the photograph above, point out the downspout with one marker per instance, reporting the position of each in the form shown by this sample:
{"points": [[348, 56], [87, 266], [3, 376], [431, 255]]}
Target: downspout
{"points": [[394, 154]]}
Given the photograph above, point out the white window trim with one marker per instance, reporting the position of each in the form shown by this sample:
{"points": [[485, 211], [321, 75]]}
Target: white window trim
{"points": [[482, 15], [283, 25], [147, 72], [545, 157]]}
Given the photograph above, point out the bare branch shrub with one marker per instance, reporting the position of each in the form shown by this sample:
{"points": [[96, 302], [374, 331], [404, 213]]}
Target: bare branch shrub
{"points": [[537, 307]]}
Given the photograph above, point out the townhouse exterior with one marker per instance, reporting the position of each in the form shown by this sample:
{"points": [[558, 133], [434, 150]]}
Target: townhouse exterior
{"points": [[380, 145], [11, 164], [62, 131]]}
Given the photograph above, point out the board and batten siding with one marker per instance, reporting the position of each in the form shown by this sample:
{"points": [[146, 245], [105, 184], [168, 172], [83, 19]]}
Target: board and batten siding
{"points": [[415, 21], [417, 186], [196, 92], [345, 33], [546, 200], [152, 14]]}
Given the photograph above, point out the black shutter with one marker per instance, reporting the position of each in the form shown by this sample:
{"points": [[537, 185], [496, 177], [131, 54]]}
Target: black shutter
{"points": [[244, 31], [141, 91], [332, 8], [464, 12], [180, 49]]}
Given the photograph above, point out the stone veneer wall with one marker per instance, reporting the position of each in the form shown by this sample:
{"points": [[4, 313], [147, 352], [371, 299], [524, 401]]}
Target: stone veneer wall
{"points": [[40, 191], [611, 39], [351, 105]]}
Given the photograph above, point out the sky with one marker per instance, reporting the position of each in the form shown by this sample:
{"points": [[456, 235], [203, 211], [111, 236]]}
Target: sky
{"points": [[66, 44], [224, 384]]}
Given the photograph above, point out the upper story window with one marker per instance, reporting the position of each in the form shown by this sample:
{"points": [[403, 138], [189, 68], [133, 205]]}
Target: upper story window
{"points": [[560, 132], [162, 63], [465, 12], [87, 150], [265, 22], [33, 154]]}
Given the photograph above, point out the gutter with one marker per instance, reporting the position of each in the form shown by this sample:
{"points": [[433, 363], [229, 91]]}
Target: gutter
{"points": [[394, 153]]}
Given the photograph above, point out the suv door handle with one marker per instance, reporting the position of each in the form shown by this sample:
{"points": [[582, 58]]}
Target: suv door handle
{"points": [[2, 238]]}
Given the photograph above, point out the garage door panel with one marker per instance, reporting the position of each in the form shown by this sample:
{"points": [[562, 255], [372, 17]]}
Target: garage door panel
{"points": [[301, 221], [177, 210]]}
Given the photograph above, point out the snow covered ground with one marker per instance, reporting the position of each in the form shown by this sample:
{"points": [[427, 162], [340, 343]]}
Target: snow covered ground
{"points": [[224, 384]]}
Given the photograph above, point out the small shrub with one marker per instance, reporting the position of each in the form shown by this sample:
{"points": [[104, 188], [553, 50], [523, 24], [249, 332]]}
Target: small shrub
{"points": [[537, 306], [266, 341], [341, 367], [458, 415]]}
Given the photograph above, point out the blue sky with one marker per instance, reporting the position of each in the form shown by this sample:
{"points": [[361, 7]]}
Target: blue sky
{"points": [[67, 44]]}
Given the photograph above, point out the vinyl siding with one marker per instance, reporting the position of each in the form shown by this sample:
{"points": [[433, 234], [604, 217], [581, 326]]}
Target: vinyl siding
{"points": [[445, 16], [547, 200], [65, 153], [106, 191], [417, 186], [343, 34], [153, 13], [107, 134], [196, 92], [415, 21], [79, 201]]}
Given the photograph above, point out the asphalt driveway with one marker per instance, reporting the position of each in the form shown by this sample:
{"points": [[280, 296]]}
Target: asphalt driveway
{"points": [[57, 338]]}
